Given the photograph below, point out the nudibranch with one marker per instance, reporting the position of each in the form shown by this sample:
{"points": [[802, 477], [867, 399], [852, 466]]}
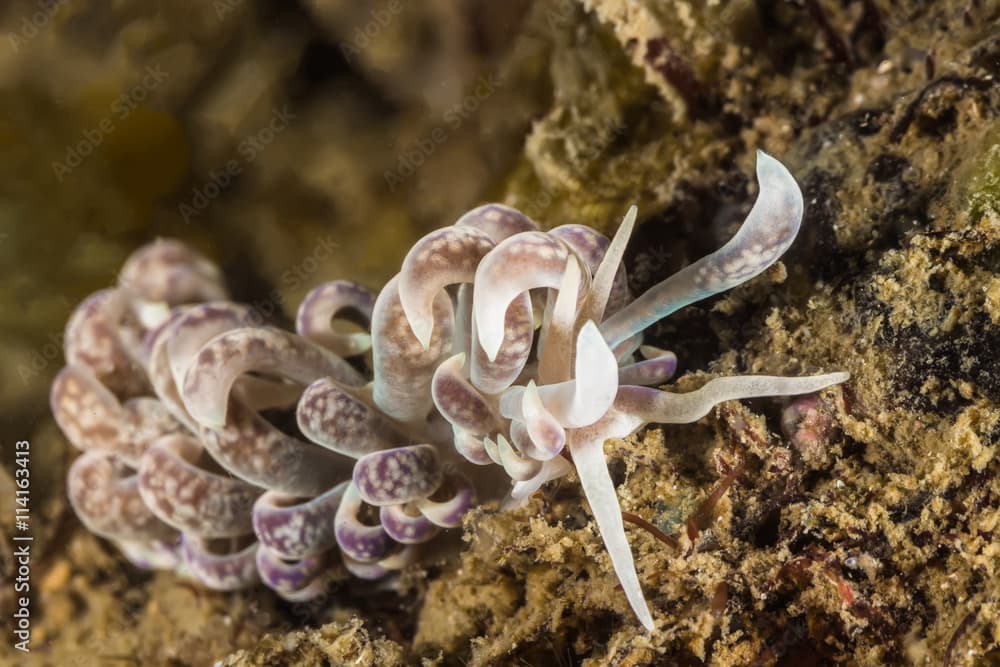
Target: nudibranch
{"points": [[500, 357]]}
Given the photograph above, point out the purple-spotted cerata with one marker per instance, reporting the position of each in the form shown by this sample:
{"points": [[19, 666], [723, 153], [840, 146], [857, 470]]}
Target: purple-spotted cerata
{"points": [[497, 348]]}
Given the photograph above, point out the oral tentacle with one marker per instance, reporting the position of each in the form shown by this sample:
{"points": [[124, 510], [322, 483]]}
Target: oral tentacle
{"points": [[588, 457], [664, 407], [765, 235]]}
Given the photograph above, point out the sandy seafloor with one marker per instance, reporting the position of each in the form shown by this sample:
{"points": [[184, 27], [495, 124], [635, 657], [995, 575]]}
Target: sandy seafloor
{"points": [[874, 543]]}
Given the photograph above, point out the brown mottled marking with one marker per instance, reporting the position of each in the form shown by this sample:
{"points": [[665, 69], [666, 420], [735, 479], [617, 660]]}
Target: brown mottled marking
{"points": [[403, 367], [335, 299], [398, 475], [209, 380], [88, 414], [171, 272], [190, 498], [331, 417], [444, 257], [219, 565], [497, 221], [492, 377], [520, 263], [94, 340], [106, 498], [257, 452]]}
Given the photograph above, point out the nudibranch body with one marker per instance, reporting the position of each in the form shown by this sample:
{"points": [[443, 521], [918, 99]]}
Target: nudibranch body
{"points": [[497, 343]]}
